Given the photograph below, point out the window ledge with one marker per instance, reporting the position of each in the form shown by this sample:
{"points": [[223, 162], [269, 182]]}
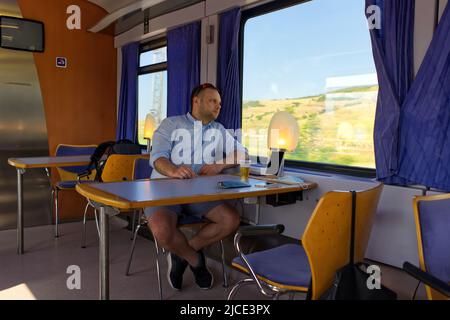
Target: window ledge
{"points": [[288, 169]]}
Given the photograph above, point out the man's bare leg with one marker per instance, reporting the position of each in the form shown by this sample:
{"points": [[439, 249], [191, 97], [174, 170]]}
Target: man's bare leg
{"points": [[163, 225], [224, 221]]}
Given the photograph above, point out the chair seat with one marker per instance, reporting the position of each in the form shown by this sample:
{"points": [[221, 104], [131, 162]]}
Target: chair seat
{"points": [[70, 184], [286, 266]]}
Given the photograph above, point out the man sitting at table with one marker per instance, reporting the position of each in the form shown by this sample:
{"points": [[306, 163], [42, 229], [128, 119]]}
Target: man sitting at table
{"points": [[185, 147]]}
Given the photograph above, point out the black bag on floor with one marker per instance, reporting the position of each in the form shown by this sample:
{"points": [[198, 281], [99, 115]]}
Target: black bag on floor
{"points": [[351, 281]]}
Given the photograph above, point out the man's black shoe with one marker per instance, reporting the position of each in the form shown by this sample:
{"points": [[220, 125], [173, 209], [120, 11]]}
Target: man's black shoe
{"points": [[203, 277], [176, 268]]}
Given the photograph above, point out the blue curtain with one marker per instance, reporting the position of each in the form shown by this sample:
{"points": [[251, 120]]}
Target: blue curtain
{"points": [[127, 117], [183, 67], [228, 75], [393, 54], [424, 156]]}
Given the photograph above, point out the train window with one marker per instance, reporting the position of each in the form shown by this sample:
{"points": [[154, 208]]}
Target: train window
{"points": [[153, 57], [152, 84], [314, 60]]}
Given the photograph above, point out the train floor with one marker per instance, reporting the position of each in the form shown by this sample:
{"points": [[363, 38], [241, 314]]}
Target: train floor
{"points": [[45, 270]]}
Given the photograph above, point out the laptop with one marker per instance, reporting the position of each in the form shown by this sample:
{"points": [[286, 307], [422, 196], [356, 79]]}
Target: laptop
{"points": [[273, 167]]}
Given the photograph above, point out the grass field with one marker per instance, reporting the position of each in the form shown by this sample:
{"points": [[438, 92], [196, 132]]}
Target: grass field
{"points": [[336, 127]]}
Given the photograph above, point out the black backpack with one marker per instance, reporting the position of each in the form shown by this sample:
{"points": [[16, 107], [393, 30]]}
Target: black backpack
{"points": [[105, 149]]}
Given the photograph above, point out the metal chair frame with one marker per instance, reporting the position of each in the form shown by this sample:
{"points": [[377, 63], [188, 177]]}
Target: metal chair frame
{"points": [[266, 289], [160, 251], [55, 190], [83, 239]]}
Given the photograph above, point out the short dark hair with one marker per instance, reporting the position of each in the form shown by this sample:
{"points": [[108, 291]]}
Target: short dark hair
{"points": [[199, 89]]}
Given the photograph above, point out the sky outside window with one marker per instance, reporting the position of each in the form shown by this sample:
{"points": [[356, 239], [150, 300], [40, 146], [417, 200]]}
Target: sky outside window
{"points": [[315, 61], [152, 89]]}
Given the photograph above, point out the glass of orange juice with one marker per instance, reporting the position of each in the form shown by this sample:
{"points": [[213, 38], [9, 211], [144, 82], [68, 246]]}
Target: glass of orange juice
{"points": [[245, 169]]}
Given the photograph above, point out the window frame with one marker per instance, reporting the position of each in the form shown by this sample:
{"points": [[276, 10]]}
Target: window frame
{"points": [[153, 68], [313, 166]]}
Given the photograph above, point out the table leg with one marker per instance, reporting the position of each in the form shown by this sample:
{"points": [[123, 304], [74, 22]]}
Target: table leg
{"points": [[104, 254], [258, 211], [56, 212], [20, 245]]}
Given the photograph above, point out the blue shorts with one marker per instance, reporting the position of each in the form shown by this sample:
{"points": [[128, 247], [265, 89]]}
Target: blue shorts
{"points": [[192, 209]]}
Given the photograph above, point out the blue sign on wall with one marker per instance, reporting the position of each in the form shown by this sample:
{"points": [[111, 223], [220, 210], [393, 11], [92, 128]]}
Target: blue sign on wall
{"points": [[61, 62]]}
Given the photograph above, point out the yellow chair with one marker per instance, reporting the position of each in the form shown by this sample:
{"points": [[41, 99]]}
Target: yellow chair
{"points": [[311, 266], [432, 217], [68, 175], [117, 168]]}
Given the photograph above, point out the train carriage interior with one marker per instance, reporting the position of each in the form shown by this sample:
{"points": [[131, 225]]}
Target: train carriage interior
{"points": [[224, 150]]}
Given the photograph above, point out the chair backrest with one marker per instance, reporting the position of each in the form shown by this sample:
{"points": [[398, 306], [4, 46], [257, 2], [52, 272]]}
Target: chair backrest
{"points": [[119, 167], [70, 173], [105, 149], [432, 216], [366, 209], [141, 169], [326, 239]]}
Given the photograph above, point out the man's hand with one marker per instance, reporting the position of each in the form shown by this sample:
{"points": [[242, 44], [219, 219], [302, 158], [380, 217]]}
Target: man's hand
{"points": [[168, 169], [211, 169], [183, 172]]}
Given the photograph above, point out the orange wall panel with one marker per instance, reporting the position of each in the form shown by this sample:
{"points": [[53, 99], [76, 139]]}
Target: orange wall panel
{"points": [[80, 100]]}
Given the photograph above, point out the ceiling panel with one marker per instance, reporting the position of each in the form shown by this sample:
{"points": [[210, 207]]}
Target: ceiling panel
{"points": [[9, 8], [112, 5], [129, 21], [128, 18]]}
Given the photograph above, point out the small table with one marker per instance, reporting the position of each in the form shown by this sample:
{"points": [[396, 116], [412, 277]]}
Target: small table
{"points": [[21, 165], [111, 198]]}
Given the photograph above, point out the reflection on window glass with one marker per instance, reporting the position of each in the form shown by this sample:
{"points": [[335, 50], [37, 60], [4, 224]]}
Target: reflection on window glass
{"points": [[316, 64], [153, 57], [152, 99]]}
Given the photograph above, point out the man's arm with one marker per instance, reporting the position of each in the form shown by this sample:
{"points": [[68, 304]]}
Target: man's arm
{"points": [[161, 151], [167, 168], [236, 153], [231, 161]]}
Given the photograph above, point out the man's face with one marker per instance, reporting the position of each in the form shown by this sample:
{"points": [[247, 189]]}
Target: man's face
{"points": [[208, 102]]}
